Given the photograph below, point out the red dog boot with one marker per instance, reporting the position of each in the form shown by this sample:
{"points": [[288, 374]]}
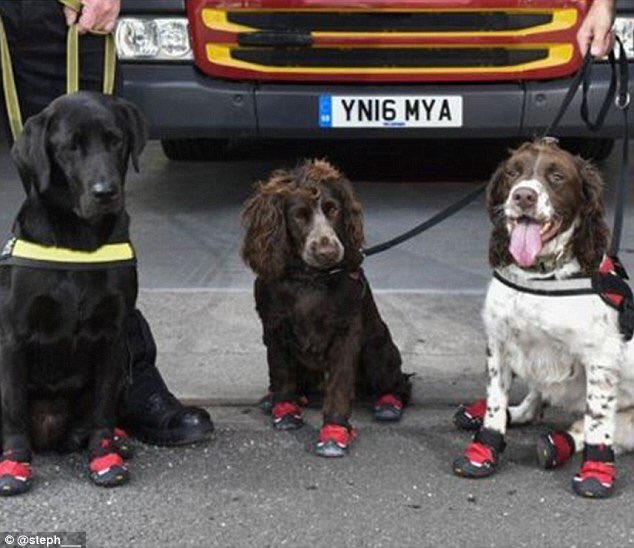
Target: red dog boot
{"points": [[554, 449], [122, 444], [335, 437], [15, 476], [107, 468], [597, 474], [481, 457], [287, 415], [470, 417], [388, 408], [266, 402]]}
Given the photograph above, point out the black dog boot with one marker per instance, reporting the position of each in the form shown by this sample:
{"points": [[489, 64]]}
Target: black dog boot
{"points": [[388, 408], [151, 413], [266, 402], [122, 444], [15, 474], [286, 414], [470, 417], [554, 449], [335, 437], [595, 479], [481, 457], [107, 468]]}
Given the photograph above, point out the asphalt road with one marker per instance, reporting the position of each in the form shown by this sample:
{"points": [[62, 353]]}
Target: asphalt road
{"points": [[251, 486]]}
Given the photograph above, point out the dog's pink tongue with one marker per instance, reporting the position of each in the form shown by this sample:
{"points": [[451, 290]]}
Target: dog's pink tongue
{"points": [[526, 242]]}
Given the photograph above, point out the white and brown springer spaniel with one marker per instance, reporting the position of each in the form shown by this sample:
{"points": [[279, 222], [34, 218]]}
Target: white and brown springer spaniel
{"points": [[547, 211]]}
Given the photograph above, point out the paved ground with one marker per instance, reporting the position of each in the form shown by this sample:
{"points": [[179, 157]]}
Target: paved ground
{"points": [[253, 487]]}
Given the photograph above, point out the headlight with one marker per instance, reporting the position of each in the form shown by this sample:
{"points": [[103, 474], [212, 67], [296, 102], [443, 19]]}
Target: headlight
{"points": [[624, 27], [165, 39]]}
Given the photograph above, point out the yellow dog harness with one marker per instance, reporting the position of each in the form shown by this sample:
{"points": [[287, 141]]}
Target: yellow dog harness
{"points": [[19, 252]]}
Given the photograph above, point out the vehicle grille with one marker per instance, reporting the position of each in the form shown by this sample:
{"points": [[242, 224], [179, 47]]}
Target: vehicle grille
{"points": [[388, 57], [387, 43]]}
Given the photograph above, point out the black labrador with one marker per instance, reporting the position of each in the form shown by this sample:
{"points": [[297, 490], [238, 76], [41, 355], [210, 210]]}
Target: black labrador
{"points": [[62, 345]]}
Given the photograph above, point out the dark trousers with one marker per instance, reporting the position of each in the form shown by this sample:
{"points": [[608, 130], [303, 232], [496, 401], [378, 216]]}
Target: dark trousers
{"points": [[36, 31]]}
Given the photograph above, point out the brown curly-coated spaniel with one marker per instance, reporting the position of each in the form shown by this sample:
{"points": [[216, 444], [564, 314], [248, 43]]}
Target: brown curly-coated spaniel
{"points": [[304, 232]]}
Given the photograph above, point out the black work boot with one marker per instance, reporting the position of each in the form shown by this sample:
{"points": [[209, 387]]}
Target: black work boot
{"points": [[151, 412]]}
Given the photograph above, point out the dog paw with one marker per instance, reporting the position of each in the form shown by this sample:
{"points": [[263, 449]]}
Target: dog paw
{"points": [[334, 440], [287, 415], [15, 478], [595, 480], [470, 417], [388, 408], [554, 449], [109, 470]]}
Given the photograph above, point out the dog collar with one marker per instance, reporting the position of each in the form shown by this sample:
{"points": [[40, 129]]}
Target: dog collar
{"points": [[547, 287], [19, 252]]}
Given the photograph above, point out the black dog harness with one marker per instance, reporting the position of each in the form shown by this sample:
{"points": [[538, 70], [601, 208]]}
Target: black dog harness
{"points": [[608, 282], [19, 252]]}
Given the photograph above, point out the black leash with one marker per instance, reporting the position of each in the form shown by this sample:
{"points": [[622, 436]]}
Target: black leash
{"points": [[429, 223], [617, 94], [623, 104]]}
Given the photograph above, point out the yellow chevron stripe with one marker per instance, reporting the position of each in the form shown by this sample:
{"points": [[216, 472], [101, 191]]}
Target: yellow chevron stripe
{"points": [[562, 19], [559, 54]]}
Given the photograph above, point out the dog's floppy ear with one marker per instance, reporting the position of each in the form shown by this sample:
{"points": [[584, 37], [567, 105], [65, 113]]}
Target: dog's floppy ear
{"points": [[30, 153], [135, 128], [497, 189], [352, 224], [590, 240], [266, 247]]}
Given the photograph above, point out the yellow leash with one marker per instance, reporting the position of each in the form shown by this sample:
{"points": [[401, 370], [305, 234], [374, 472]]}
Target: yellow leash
{"points": [[72, 68]]}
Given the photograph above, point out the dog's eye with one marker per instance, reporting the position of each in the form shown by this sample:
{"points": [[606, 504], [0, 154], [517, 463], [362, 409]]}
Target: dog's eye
{"points": [[512, 172], [73, 145], [330, 209], [556, 177], [302, 214], [111, 139]]}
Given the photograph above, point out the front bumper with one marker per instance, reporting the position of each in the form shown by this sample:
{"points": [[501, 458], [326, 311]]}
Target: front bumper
{"points": [[181, 102]]}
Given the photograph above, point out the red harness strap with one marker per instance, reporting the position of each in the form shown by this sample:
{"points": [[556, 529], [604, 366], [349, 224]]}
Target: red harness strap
{"points": [[612, 268], [19, 470]]}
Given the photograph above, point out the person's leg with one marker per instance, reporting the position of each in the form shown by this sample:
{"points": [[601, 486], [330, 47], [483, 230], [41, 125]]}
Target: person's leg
{"points": [[151, 413], [37, 32]]}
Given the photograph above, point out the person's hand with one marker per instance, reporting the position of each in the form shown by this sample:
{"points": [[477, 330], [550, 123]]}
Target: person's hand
{"points": [[96, 15], [596, 30]]}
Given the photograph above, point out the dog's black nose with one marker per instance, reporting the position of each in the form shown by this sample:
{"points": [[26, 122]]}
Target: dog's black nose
{"points": [[525, 198], [104, 191]]}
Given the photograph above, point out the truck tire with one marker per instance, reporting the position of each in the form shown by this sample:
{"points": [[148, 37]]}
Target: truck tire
{"points": [[195, 150], [596, 150]]}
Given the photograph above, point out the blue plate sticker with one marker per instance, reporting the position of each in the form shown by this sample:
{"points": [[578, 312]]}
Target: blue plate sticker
{"points": [[325, 111]]}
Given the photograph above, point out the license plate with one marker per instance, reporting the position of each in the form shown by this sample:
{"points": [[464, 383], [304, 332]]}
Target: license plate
{"points": [[428, 111]]}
